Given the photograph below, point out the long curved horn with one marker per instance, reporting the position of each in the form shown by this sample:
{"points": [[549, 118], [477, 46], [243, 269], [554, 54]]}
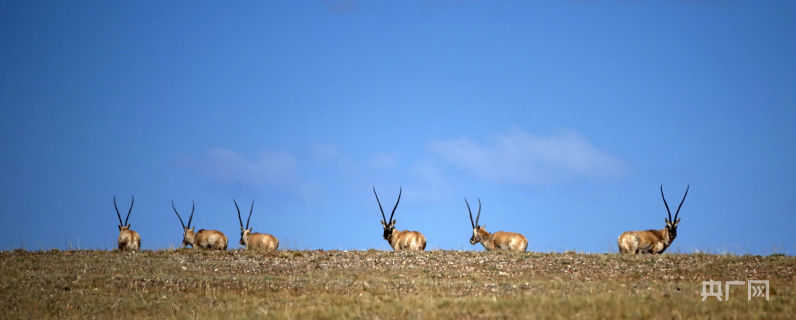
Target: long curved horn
{"points": [[681, 203], [178, 214], [471, 213], [128, 211], [250, 214], [236, 207], [477, 218], [383, 218], [193, 207], [117, 211], [666, 204], [396, 203]]}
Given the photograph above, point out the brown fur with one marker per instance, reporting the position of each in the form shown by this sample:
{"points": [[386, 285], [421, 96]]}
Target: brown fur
{"points": [[647, 241], [407, 240], [500, 240], [205, 239], [258, 241], [652, 241], [399, 240], [129, 239], [254, 240]]}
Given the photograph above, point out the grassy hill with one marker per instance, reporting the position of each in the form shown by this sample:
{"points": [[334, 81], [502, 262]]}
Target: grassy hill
{"points": [[378, 284]]}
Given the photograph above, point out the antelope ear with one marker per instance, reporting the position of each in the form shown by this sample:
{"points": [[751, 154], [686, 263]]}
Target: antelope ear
{"points": [[677, 222], [382, 223], [667, 221], [393, 223], [120, 227]]}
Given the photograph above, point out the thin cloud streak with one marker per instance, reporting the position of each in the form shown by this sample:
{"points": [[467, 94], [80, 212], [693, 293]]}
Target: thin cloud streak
{"points": [[519, 157]]}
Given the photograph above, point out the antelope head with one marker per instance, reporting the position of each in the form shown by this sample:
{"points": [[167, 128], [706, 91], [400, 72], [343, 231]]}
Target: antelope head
{"points": [[244, 232], [189, 236], [123, 225], [671, 224], [476, 238], [388, 224]]}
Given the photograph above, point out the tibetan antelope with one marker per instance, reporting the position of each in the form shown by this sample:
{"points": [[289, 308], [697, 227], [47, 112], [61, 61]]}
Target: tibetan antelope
{"points": [[128, 239], [500, 240], [399, 240], [652, 241], [260, 241], [205, 239]]}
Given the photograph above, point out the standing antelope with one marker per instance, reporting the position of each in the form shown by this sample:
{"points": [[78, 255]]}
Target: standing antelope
{"points": [[500, 240], [128, 239], [652, 241], [205, 239], [399, 240], [261, 241]]}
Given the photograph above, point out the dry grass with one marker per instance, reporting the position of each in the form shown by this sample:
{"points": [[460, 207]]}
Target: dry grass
{"points": [[377, 284]]}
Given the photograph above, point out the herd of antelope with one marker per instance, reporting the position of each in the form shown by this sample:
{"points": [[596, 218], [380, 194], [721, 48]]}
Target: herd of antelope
{"points": [[635, 242]]}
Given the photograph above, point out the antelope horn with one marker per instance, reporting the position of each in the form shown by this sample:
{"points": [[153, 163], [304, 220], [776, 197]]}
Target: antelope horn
{"points": [[236, 207], [396, 204], [128, 211], [383, 218], [477, 218], [117, 211], [250, 214], [666, 204], [681, 203], [178, 215], [193, 207], [471, 213]]}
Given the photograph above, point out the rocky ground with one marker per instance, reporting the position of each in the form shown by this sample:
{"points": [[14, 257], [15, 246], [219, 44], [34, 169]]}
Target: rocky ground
{"points": [[379, 284]]}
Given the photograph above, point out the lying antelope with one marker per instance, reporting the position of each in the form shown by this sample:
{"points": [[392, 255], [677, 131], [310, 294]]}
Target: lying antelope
{"points": [[128, 239], [399, 240], [652, 241], [205, 239], [500, 240], [261, 241]]}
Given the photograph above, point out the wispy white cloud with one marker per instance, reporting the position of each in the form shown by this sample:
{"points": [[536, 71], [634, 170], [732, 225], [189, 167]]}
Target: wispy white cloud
{"points": [[522, 158]]}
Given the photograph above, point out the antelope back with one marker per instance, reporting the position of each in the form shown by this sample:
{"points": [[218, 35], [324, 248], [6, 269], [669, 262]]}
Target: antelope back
{"points": [[211, 239], [262, 241], [408, 240], [646, 241], [509, 241], [129, 240]]}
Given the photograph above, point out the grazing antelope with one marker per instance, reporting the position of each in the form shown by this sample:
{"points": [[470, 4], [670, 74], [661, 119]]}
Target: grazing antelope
{"points": [[261, 241], [652, 241], [128, 239], [399, 240], [500, 240], [205, 239]]}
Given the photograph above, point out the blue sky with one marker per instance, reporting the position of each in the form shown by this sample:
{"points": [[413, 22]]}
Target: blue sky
{"points": [[564, 117]]}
